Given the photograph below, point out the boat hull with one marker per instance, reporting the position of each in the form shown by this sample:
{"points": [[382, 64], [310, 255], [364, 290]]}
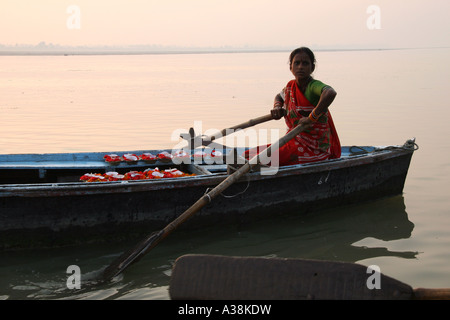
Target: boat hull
{"points": [[60, 214]]}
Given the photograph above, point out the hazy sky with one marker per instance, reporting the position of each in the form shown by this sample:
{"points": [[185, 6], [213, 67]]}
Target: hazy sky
{"points": [[206, 23]]}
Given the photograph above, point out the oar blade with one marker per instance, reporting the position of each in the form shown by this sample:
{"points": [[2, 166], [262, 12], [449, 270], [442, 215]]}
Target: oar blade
{"points": [[206, 277], [131, 256]]}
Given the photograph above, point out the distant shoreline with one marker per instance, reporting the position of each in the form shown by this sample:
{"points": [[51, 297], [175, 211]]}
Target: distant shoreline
{"points": [[83, 52]]}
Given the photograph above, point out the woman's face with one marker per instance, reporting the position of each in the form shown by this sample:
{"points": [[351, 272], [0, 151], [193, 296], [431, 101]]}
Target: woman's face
{"points": [[302, 66]]}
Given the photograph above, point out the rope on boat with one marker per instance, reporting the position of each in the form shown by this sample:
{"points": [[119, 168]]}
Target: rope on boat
{"points": [[227, 196], [206, 194], [237, 194], [410, 144]]}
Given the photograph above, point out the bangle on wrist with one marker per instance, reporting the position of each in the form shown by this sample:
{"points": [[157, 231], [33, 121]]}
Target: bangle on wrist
{"points": [[313, 116], [278, 105]]}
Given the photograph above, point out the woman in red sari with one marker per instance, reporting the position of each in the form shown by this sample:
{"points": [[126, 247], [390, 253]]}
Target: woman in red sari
{"points": [[306, 101]]}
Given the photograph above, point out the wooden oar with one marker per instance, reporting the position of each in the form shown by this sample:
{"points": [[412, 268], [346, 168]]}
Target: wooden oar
{"points": [[120, 264], [247, 124], [207, 277], [207, 140]]}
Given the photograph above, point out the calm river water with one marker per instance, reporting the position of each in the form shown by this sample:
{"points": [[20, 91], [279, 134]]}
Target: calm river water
{"points": [[126, 102]]}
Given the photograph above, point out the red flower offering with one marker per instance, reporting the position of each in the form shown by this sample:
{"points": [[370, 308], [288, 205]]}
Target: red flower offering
{"points": [[134, 175], [93, 177], [130, 158], [149, 157], [164, 156], [173, 173], [112, 158], [181, 156], [155, 174], [216, 153], [113, 176], [199, 155]]}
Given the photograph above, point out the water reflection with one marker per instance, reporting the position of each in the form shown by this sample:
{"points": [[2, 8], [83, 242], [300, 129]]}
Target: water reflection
{"points": [[332, 235], [325, 235], [329, 235]]}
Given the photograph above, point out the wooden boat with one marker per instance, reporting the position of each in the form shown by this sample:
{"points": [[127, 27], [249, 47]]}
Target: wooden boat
{"points": [[43, 202], [213, 277]]}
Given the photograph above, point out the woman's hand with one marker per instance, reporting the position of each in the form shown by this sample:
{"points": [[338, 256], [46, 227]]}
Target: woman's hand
{"points": [[306, 122], [277, 113]]}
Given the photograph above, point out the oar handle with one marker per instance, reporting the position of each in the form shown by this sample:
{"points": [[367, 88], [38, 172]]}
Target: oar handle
{"points": [[253, 122], [247, 124], [432, 294]]}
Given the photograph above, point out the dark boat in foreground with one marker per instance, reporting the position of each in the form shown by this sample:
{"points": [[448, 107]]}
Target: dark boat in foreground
{"points": [[214, 277], [43, 203]]}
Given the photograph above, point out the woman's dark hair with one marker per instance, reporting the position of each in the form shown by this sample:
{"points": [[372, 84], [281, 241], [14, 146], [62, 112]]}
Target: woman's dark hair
{"points": [[302, 50]]}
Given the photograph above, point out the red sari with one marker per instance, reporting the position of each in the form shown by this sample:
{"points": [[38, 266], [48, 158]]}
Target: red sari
{"points": [[320, 142]]}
